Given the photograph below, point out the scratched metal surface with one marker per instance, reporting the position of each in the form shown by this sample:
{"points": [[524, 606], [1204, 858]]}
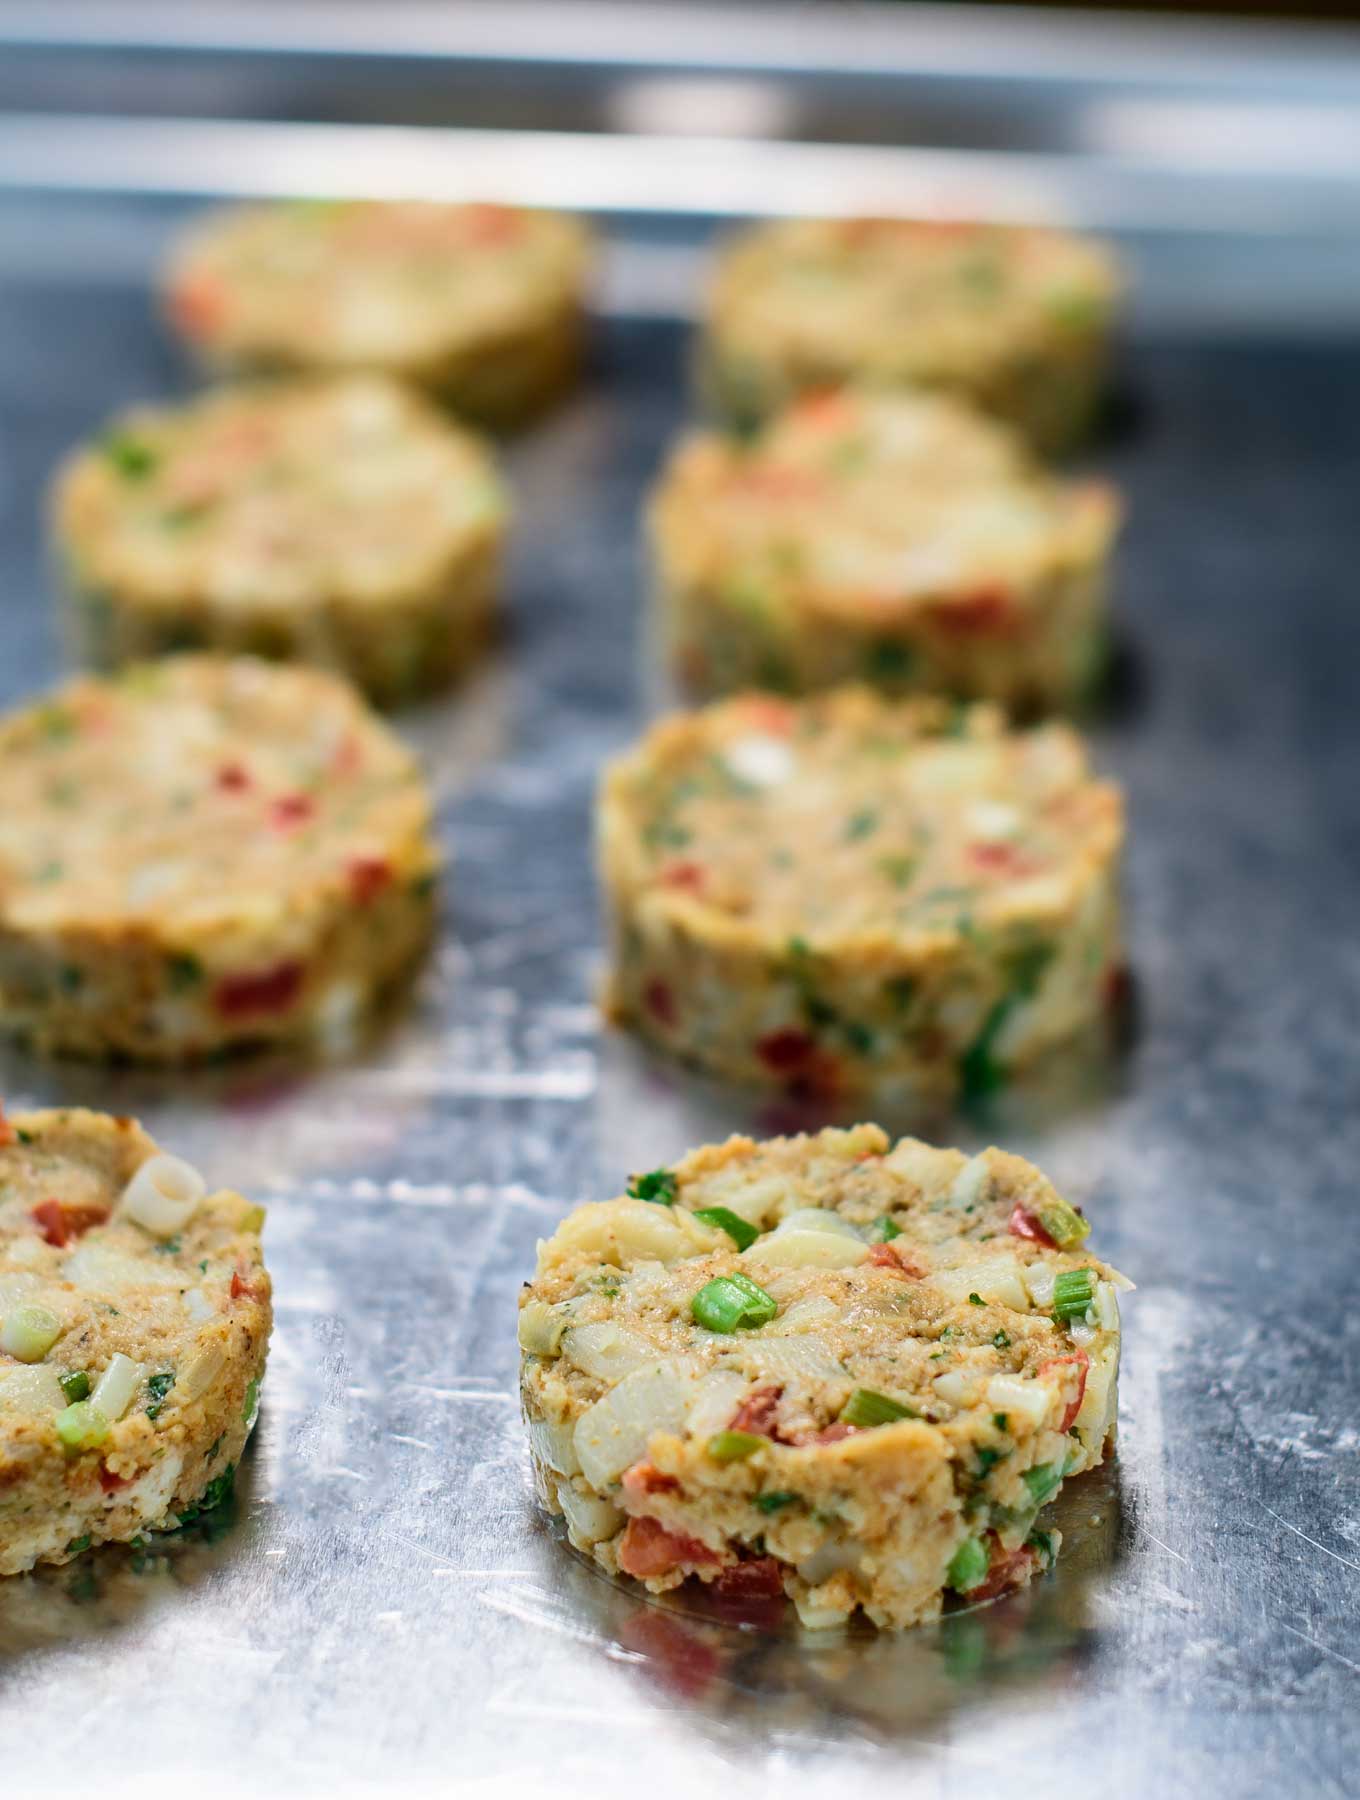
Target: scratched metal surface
{"points": [[383, 1606]]}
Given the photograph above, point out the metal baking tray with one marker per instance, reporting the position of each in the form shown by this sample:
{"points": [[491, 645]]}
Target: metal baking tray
{"points": [[382, 1607]]}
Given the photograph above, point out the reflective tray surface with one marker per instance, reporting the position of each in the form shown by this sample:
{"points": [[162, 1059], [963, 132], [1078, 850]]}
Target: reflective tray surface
{"points": [[382, 1607]]}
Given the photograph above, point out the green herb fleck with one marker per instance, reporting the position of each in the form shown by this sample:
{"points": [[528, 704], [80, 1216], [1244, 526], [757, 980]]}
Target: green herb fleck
{"points": [[659, 1186], [976, 1300], [132, 456], [158, 1386], [773, 1502]]}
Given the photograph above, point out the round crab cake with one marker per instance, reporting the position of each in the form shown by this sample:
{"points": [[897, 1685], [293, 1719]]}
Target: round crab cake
{"points": [[847, 894], [482, 305], [1015, 319], [894, 538], [205, 853], [340, 522], [134, 1324], [825, 1366]]}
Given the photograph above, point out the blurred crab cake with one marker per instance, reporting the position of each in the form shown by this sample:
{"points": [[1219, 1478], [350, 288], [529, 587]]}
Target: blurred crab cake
{"points": [[894, 538], [343, 522], [847, 894], [134, 1324], [822, 1366], [1016, 320], [205, 853], [482, 305]]}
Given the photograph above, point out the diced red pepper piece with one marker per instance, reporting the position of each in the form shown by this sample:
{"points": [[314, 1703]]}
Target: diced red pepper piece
{"points": [[368, 876], [233, 778], [758, 1578], [1083, 1364], [786, 1049], [1117, 987], [485, 222], [687, 876], [59, 1224], [902, 1262], [986, 613], [834, 1433], [8, 1135], [1023, 1224], [262, 991], [242, 1284], [1001, 859], [290, 811], [756, 1413], [197, 305], [645, 1478], [780, 481], [348, 755], [111, 1482], [824, 409], [1009, 1569], [647, 1548], [765, 713], [660, 1002]]}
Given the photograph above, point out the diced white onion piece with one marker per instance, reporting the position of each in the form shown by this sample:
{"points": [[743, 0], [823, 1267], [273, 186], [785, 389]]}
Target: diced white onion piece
{"points": [[763, 761], [715, 1400], [922, 1164], [201, 1369], [198, 1306], [1081, 1332], [163, 1195], [628, 1231], [15, 1289], [970, 1183], [1020, 1399], [814, 1617], [830, 1559], [29, 1332], [993, 822], [1106, 1307], [615, 1432], [1122, 1282], [1039, 1279], [1098, 1402], [114, 1391], [784, 1359], [99, 1270], [999, 1278], [818, 1218], [589, 1517], [752, 1200], [33, 1389], [554, 1445], [541, 1327], [956, 1386], [804, 1315], [807, 1250], [606, 1350]]}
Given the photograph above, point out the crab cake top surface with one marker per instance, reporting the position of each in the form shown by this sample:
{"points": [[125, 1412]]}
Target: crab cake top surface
{"points": [[914, 1273], [873, 504], [91, 1272], [849, 817], [299, 492], [905, 296], [201, 794], [373, 281]]}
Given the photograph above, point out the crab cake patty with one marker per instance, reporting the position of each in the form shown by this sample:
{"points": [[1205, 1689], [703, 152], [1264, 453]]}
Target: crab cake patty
{"points": [[134, 1323], [822, 1366], [894, 538], [1014, 319], [482, 305], [344, 523], [205, 853], [848, 894]]}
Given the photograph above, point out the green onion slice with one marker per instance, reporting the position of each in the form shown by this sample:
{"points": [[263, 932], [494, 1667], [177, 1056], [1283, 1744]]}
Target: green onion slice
{"points": [[1063, 1223], [968, 1566], [1043, 1481], [658, 1186], [729, 1302], [82, 1426], [734, 1446], [742, 1233], [1073, 1292], [865, 1407], [75, 1386]]}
